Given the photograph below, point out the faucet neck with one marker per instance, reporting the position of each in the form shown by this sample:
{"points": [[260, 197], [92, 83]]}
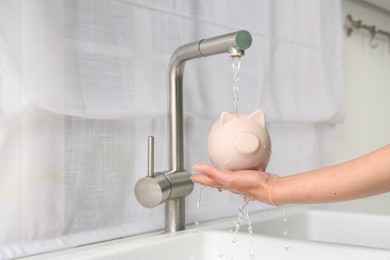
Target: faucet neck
{"points": [[175, 208], [232, 43], [175, 104]]}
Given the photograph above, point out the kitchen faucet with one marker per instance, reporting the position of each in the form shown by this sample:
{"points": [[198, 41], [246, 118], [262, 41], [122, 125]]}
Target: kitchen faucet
{"points": [[173, 185]]}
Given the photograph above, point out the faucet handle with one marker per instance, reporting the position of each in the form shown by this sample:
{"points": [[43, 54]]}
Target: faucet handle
{"points": [[154, 189], [150, 156]]}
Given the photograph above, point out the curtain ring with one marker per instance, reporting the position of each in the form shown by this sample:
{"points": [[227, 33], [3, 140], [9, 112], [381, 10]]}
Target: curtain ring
{"points": [[373, 31]]}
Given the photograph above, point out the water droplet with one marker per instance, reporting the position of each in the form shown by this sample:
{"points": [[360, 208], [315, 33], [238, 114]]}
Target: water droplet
{"points": [[287, 247], [285, 211], [285, 233], [196, 226], [252, 253], [234, 239]]}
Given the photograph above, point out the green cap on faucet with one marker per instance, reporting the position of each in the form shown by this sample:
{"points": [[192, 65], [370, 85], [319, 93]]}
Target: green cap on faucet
{"points": [[243, 39]]}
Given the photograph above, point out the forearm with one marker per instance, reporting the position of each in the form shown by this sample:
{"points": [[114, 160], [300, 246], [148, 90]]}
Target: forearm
{"points": [[365, 176]]}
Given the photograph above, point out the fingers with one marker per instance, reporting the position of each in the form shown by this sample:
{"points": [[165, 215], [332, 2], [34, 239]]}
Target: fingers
{"points": [[202, 179], [211, 172], [209, 176]]}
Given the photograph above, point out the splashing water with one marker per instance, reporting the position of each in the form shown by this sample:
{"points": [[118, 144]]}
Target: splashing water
{"points": [[250, 231], [238, 221], [236, 62], [199, 205], [244, 213], [200, 198], [196, 224]]}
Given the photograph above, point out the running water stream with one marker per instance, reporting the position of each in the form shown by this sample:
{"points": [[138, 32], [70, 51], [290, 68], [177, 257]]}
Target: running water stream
{"points": [[236, 62], [243, 210]]}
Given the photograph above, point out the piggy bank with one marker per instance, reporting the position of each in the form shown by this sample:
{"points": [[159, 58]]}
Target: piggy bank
{"points": [[239, 142]]}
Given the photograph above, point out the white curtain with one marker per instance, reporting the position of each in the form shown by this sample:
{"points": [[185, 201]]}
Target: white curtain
{"points": [[84, 82]]}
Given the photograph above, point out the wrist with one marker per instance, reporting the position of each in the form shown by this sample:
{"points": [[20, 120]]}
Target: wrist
{"points": [[274, 189], [270, 199]]}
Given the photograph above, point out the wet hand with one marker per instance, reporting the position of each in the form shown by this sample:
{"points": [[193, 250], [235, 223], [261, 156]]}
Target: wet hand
{"points": [[250, 183]]}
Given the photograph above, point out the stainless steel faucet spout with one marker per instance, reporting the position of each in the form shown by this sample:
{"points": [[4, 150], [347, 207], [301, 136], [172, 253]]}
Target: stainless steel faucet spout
{"points": [[173, 185], [232, 43]]}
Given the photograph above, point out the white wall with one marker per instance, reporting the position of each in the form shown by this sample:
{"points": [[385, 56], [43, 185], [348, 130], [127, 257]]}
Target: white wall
{"points": [[367, 84]]}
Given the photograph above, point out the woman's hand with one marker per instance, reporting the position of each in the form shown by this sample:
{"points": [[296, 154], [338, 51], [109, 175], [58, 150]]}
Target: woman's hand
{"points": [[364, 176], [253, 184]]}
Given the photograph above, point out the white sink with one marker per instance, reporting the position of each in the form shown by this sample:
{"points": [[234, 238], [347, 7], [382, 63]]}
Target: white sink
{"points": [[333, 227], [302, 234]]}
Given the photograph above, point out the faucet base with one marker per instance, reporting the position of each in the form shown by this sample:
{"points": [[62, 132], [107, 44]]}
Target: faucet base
{"points": [[174, 215]]}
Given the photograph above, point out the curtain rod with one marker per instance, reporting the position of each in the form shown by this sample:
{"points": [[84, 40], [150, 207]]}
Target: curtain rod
{"points": [[351, 24]]}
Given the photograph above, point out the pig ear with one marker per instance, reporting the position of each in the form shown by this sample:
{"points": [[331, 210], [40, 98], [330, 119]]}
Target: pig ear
{"points": [[258, 116], [225, 117]]}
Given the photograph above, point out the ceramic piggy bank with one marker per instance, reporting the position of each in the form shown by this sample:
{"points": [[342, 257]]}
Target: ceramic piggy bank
{"points": [[239, 142]]}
